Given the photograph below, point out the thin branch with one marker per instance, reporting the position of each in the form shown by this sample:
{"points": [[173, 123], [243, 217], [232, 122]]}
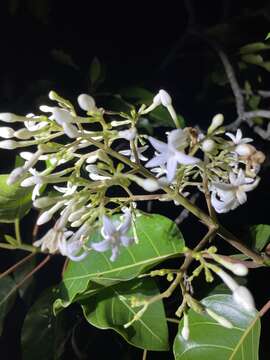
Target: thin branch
{"points": [[144, 354], [265, 308], [15, 266], [31, 273]]}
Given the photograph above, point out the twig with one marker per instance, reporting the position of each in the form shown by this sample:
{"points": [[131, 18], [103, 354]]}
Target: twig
{"points": [[144, 354], [15, 266], [265, 308], [31, 273], [17, 231]]}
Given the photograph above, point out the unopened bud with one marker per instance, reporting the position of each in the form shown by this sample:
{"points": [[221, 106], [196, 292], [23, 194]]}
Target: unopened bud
{"points": [[208, 145], [70, 130], [220, 319], [44, 202], [150, 185], [237, 268], [11, 118], [15, 175], [243, 297], [245, 149], [87, 102], [6, 132], [9, 144], [217, 121], [185, 330], [23, 134], [165, 98]]}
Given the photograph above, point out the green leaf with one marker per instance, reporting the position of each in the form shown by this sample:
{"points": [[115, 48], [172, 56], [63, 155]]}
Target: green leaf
{"points": [[141, 95], [267, 36], [111, 308], [15, 201], [254, 47], [6, 285], [260, 235], [209, 340], [162, 117], [253, 59], [42, 332], [159, 239]]}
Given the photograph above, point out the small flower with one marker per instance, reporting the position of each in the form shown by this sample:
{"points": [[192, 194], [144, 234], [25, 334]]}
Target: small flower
{"points": [[50, 241], [128, 134], [71, 249], [231, 195], [169, 153], [130, 153], [115, 235], [238, 139]]}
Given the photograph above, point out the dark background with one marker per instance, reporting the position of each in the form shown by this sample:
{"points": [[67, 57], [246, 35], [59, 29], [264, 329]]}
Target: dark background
{"points": [[47, 45]]}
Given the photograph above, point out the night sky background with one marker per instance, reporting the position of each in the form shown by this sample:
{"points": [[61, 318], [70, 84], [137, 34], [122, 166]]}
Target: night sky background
{"points": [[49, 45]]}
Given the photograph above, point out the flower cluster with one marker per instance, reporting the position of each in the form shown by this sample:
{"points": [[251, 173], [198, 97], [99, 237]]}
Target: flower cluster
{"points": [[74, 161]]}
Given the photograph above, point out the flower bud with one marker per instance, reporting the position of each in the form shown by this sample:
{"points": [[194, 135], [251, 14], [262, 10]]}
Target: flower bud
{"points": [[220, 319], [23, 134], [245, 150], [150, 185], [11, 118], [165, 98], [6, 132], [47, 215], [44, 202], [208, 145], [9, 144], [237, 268], [76, 215], [15, 175], [70, 130], [228, 280], [217, 121], [185, 330], [243, 297], [87, 102]]}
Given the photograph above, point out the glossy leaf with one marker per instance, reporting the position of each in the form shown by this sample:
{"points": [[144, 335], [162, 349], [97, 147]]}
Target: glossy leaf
{"points": [[6, 302], [15, 201], [254, 47], [209, 340], [111, 308], [159, 239], [42, 332], [260, 235]]}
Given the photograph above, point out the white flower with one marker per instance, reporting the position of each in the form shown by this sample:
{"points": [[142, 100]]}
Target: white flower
{"points": [[9, 144], [128, 134], [6, 132], [238, 139], [169, 153], [50, 241], [226, 197], [71, 249], [220, 319], [130, 153], [208, 145], [114, 235]]}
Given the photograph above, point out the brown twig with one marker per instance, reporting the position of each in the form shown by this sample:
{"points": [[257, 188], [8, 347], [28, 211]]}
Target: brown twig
{"points": [[31, 273], [15, 266]]}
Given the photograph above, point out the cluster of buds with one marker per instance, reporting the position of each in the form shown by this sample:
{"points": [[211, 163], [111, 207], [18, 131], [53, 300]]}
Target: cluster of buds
{"points": [[74, 159]]}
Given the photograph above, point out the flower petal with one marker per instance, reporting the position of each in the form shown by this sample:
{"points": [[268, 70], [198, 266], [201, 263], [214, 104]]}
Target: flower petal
{"points": [[171, 168], [108, 226], [101, 246], [158, 145], [157, 160], [185, 159]]}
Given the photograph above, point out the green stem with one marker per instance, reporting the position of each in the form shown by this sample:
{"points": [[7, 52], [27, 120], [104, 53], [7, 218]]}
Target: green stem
{"points": [[17, 231], [25, 247]]}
